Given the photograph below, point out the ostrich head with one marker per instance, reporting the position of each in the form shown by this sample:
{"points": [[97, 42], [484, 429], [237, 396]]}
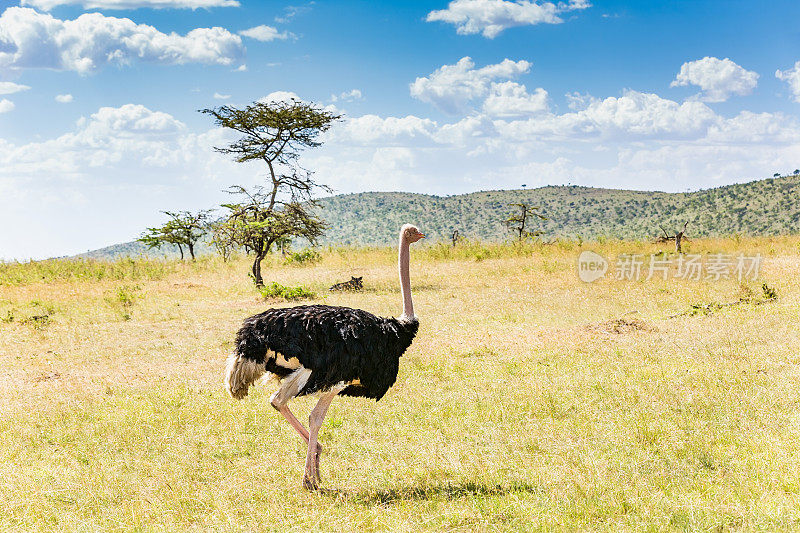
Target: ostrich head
{"points": [[410, 233]]}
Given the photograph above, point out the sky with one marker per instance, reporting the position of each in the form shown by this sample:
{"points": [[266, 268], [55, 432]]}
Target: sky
{"points": [[99, 100]]}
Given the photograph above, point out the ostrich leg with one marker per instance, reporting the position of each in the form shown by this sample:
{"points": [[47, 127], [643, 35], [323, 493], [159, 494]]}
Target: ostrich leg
{"points": [[311, 478], [288, 390]]}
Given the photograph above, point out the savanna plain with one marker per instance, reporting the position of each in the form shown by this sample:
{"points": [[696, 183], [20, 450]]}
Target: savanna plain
{"points": [[530, 400]]}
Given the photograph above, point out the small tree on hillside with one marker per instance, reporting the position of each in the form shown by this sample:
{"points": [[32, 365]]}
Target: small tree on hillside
{"points": [[274, 133], [520, 221], [679, 237], [183, 229]]}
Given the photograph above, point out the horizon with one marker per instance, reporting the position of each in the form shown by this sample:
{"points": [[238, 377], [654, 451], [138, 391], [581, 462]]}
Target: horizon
{"points": [[99, 129], [81, 254]]}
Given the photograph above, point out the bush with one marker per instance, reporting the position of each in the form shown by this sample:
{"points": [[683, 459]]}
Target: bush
{"points": [[276, 290], [123, 299]]}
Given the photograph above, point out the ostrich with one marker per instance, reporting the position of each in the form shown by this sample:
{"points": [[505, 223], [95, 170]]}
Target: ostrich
{"points": [[324, 349]]}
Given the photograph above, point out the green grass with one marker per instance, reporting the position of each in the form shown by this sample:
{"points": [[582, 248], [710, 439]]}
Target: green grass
{"points": [[276, 290], [515, 409]]}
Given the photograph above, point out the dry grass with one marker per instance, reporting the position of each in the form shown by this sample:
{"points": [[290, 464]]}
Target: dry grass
{"points": [[530, 401]]}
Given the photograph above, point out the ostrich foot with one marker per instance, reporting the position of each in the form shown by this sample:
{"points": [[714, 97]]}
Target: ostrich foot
{"points": [[310, 483]]}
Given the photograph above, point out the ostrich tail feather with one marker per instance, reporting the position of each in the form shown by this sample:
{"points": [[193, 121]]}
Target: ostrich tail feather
{"points": [[240, 374]]}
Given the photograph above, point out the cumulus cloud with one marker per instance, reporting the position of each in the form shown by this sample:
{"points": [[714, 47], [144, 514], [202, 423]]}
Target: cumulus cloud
{"points": [[280, 96], [491, 17], [47, 5], [792, 77], [451, 87], [578, 101], [347, 96], [8, 87], [64, 98], [511, 99], [29, 39], [372, 130], [218, 96], [6, 105], [634, 115], [718, 78], [266, 33], [125, 138]]}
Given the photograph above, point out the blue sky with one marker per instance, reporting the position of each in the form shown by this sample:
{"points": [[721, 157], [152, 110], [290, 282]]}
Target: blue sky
{"points": [[99, 129]]}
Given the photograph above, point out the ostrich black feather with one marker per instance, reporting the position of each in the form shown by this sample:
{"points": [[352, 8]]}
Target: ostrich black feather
{"points": [[338, 345]]}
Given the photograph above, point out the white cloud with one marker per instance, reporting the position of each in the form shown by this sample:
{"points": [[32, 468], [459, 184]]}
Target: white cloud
{"points": [[792, 77], [47, 5], [34, 40], [291, 12], [491, 17], [131, 136], [241, 68], [451, 87], [266, 33], [8, 87], [64, 98], [6, 105], [718, 78], [511, 99], [634, 115], [370, 130], [579, 101], [218, 96], [280, 96], [347, 96]]}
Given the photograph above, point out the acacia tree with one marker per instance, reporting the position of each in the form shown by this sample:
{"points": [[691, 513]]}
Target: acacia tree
{"points": [[184, 228], [275, 133], [255, 227], [519, 222]]}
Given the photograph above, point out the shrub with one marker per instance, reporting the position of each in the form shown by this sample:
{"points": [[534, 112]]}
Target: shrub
{"points": [[276, 290], [123, 300]]}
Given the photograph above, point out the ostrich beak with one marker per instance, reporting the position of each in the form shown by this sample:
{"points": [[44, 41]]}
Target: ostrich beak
{"points": [[421, 235]]}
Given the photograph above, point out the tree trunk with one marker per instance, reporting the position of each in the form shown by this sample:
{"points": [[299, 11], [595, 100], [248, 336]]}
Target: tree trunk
{"points": [[191, 250], [181, 250], [678, 239], [259, 281]]}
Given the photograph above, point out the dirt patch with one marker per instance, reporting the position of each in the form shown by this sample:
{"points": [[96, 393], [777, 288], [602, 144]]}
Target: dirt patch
{"points": [[46, 376], [621, 326]]}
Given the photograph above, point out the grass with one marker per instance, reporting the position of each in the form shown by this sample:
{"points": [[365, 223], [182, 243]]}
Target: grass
{"points": [[518, 408]]}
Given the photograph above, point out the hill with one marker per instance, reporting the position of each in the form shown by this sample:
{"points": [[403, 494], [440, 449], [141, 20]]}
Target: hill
{"points": [[764, 207]]}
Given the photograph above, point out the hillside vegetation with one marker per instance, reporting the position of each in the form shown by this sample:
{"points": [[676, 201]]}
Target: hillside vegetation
{"points": [[530, 401], [766, 207]]}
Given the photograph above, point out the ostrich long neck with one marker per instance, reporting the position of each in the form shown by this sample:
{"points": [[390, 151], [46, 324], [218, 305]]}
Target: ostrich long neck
{"points": [[405, 282]]}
